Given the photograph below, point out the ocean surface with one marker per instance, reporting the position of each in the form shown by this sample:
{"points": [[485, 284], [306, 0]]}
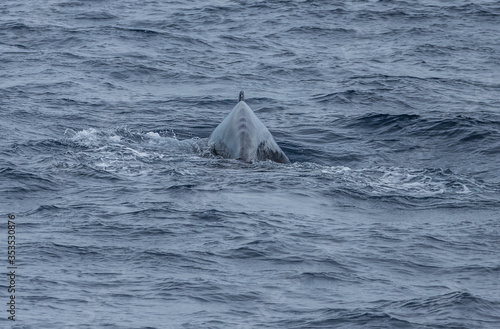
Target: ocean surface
{"points": [[387, 217]]}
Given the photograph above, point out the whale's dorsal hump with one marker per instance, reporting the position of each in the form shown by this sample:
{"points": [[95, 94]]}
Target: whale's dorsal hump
{"points": [[241, 135]]}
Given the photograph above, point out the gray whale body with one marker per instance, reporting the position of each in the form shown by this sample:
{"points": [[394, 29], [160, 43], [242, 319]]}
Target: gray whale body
{"points": [[241, 135]]}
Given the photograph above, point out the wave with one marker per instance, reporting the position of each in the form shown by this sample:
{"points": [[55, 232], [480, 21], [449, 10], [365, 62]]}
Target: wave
{"points": [[451, 131], [448, 310], [120, 154], [123, 151], [406, 187]]}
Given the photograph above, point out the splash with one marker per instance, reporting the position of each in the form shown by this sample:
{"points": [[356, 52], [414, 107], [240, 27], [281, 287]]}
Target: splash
{"points": [[122, 151]]}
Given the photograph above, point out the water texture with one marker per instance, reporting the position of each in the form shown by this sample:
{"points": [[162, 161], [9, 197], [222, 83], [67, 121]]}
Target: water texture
{"points": [[387, 217]]}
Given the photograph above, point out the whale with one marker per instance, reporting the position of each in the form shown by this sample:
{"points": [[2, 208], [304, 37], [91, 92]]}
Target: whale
{"points": [[242, 136]]}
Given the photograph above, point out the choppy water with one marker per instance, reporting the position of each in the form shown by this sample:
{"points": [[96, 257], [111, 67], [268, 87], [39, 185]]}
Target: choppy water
{"points": [[388, 216]]}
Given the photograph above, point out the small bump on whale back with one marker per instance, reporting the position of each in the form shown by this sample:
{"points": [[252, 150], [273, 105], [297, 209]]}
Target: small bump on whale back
{"points": [[241, 97]]}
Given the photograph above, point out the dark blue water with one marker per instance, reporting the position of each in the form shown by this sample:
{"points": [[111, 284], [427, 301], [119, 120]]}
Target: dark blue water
{"points": [[388, 216]]}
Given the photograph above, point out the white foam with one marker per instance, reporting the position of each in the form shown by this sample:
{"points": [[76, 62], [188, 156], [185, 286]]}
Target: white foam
{"points": [[86, 137], [153, 135], [397, 181], [138, 153]]}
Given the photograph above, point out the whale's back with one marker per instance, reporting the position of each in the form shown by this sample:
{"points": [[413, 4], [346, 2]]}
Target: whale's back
{"points": [[241, 135]]}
